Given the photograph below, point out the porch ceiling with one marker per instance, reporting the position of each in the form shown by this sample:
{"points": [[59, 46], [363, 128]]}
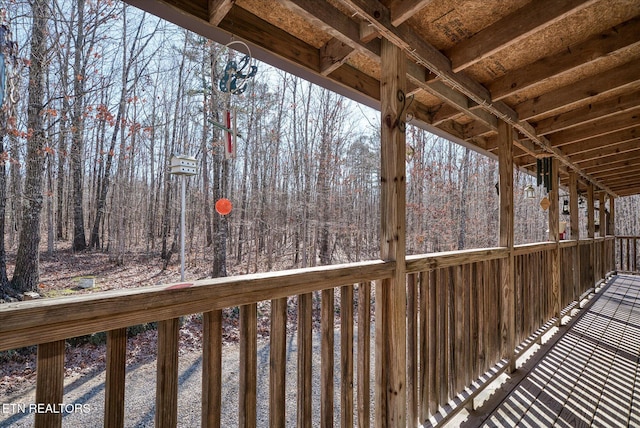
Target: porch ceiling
{"points": [[565, 74]]}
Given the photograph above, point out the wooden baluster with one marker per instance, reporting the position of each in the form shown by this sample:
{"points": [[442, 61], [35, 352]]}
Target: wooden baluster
{"points": [[327, 354], [304, 360], [364, 354], [412, 350], [115, 381], [346, 356], [50, 382], [211, 368], [277, 363], [248, 366], [167, 374]]}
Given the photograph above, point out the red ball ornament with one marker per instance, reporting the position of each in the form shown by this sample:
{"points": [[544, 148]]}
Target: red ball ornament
{"points": [[223, 206]]}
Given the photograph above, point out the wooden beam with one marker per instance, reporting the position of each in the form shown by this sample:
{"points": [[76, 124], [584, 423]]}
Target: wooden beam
{"points": [[506, 216], [598, 167], [598, 47], [588, 113], [218, 9], [597, 143], [401, 10], [580, 92], [512, 29], [621, 149], [391, 303], [333, 54], [617, 122], [367, 32]]}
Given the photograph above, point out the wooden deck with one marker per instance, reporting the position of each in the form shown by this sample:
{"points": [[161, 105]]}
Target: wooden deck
{"points": [[587, 376]]}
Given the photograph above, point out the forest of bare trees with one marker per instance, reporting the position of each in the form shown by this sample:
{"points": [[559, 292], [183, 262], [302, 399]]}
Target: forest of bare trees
{"points": [[106, 95]]}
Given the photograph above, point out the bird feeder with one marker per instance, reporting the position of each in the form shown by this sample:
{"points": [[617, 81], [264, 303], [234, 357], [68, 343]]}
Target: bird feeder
{"points": [[183, 165]]}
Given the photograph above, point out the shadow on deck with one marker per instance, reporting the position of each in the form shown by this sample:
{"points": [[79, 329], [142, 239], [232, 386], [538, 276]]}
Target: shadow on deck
{"points": [[587, 376]]}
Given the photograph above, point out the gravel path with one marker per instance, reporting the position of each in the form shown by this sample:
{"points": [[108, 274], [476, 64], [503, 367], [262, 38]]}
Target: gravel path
{"points": [[88, 390]]}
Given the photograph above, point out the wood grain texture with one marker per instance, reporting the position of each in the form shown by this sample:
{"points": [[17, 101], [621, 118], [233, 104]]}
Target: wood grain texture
{"points": [[49, 382], [167, 374], [305, 355], [211, 368], [115, 378], [277, 363], [26, 323], [346, 356], [364, 355], [248, 366], [327, 332]]}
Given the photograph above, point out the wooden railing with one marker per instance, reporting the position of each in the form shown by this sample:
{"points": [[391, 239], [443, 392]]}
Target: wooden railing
{"points": [[454, 337], [627, 257]]}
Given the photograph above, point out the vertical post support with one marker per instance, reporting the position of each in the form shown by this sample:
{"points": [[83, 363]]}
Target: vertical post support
{"points": [[115, 382], [591, 233], [507, 275], [50, 382], [603, 218], [591, 227], [211, 369], [575, 230], [167, 374], [391, 293], [612, 215], [554, 236]]}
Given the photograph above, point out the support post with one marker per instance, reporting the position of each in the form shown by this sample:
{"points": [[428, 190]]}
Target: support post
{"points": [[603, 219], [507, 277], [573, 206], [554, 236], [591, 227], [575, 231], [612, 215], [390, 365]]}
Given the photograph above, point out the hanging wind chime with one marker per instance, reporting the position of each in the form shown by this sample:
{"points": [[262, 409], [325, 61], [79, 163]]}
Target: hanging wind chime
{"points": [[234, 81], [543, 177]]}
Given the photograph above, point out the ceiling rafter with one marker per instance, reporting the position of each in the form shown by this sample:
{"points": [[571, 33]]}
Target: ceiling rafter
{"points": [[604, 126], [588, 113], [625, 75], [619, 148], [597, 143], [623, 36], [427, 55], [218, 9], [512, 29], [401, 10]]}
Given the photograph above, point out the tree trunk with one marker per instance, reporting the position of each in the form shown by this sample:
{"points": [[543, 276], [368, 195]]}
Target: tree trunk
{"points": [[26, 274], [77, 140]]}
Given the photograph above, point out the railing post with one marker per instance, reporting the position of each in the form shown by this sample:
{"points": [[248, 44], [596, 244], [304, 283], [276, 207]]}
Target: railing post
{"points": [[575, 231], [277, 363], [167, 374], [591, 233], [211, 368], [554, 236], [248, 366], [50, 382], [115, 382], [391, 293], [507, 274]]}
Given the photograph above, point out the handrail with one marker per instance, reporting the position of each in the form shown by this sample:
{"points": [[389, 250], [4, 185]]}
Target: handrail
{"points": [[425, 262], [39, 321]]}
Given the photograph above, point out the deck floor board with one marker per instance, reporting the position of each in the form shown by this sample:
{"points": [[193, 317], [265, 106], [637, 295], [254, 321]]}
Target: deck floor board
{"points": [[591, 375]]}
